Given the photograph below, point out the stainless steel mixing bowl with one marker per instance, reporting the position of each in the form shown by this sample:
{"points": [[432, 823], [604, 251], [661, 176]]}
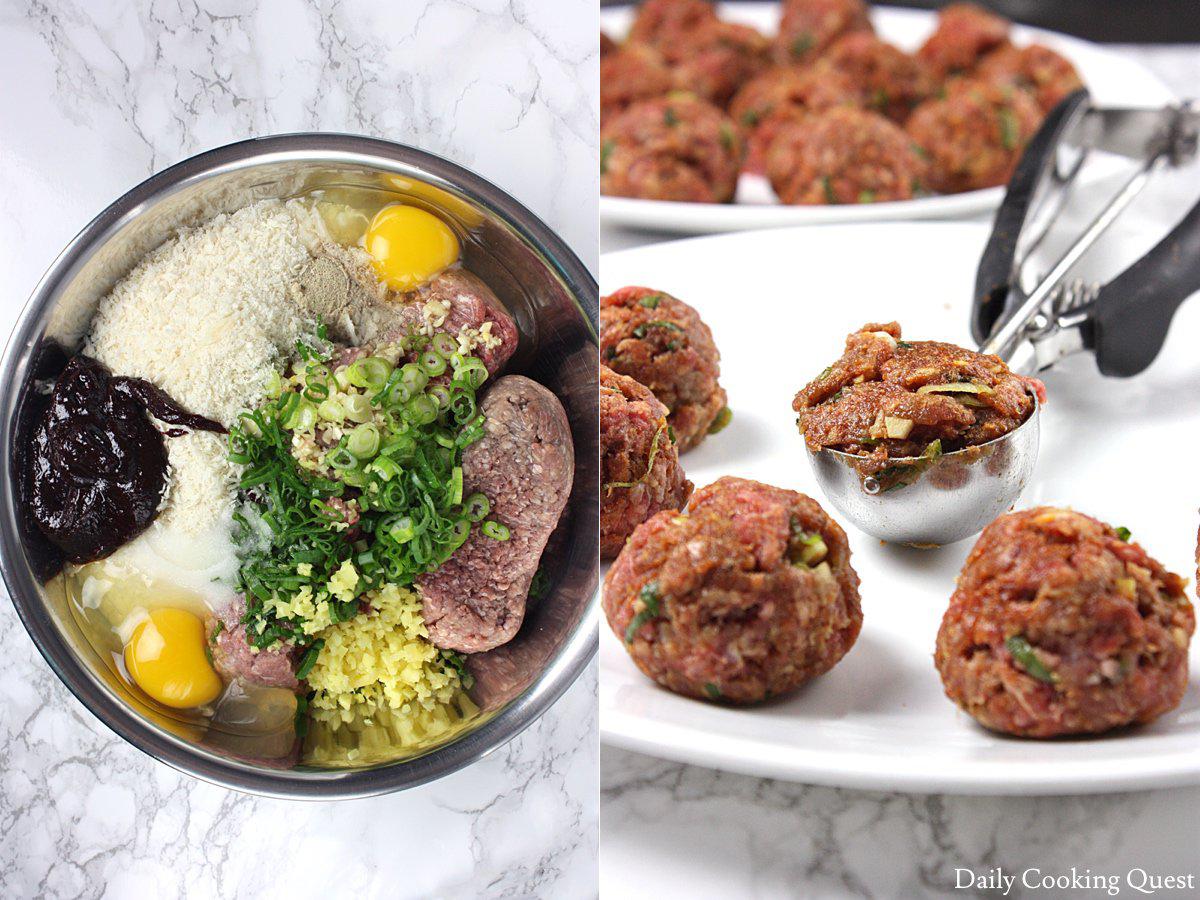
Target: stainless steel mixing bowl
{"points": [[543, 283]]}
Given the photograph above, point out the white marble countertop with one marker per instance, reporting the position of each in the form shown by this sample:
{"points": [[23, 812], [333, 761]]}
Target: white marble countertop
{"points": [[672, 830], [98, 95]]}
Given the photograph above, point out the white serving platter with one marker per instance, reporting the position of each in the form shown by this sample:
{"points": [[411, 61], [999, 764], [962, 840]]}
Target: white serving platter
{"points": [[1114, 80], [780, 304]]}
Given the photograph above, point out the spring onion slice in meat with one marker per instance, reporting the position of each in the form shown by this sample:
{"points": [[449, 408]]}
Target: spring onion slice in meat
{"points": [[1026, 657], [610, 486], [651, 606]]}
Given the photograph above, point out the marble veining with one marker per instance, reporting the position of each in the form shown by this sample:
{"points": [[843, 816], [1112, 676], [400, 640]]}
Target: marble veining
{"points": [[98, 95]]}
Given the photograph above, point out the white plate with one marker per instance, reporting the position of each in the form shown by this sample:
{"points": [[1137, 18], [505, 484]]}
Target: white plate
{"points": [[1112, 79], [780, 304]]}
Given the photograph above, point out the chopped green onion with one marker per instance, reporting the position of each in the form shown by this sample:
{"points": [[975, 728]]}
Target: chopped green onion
{"points": [[721, 422], [363, 441], [309, 659], [432, 363], [369, 372], [422, 410], [713, 692], [476, 507], [642, 330], [357, 408], [402, 529], [497, 531], [444, 344], [651, 601], [1025, 656], [472, 371], [385, 468], [1124, 533]]}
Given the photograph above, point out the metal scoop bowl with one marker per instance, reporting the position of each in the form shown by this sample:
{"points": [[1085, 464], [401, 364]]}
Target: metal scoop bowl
{"points": [[929, 502]]}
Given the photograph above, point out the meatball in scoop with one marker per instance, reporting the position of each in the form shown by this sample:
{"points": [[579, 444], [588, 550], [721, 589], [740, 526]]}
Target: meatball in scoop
{"points": [[747, 595], [1060, 625]]}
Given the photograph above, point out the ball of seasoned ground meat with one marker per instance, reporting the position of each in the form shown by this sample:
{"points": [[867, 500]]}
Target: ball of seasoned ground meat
{"points": [[639, 465], [1058, 626], [747, 595], [964, 33], [717, 58], [808, 27], [785, 94], [677, 147], [844, 155], [664, 23], [1047, 75], [660, 341], [888, 398], [975, 135], [891, 81], [629, 74]]}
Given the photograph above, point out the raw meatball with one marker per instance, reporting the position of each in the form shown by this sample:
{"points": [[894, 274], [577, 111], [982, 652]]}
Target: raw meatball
{"points": [[639, 465], [975, 135], [781, 95], [808, 27], [717, 58], [1058, 627], [677, 147], [747, 595], [629, 74], [965, 32], [524, 464], [887, 398], [1047, 75], [843, 155], [665, 23], [891, 81], [661, 342]]}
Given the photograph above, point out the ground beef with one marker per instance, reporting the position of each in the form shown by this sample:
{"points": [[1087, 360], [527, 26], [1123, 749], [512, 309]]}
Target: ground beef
{"points": [[639, 464], [781, 95], [975, 135], [677, 147], [472, 305], [808, 27], [715, 59], [631, 73], [1059, 627], [891, 81], [964, 33], [524, 464], [843, 155], [666, 23], [234, 658], [1047, 75], [747, 595], [869, 402], [661, 342]]}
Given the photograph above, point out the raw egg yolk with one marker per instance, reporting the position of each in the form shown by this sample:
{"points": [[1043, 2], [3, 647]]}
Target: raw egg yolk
{"points": [[409, 246], [166, 658]]}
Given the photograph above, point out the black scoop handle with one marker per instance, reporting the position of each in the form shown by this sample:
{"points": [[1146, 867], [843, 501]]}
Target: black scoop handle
{"points": [[996, 265], [1133, 312]]}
